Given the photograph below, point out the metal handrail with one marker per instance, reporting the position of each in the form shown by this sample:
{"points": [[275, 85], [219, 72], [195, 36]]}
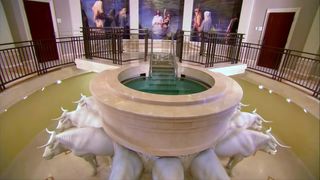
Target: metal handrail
{"points": [[19, 59]]}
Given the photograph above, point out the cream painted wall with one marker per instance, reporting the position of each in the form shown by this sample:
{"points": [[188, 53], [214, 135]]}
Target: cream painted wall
{"points": [[134, 14], [76, 18], [245, 18], [63, 14], [307, 12], [187, 15], [5, 33], [312, 43], [16, 17]]}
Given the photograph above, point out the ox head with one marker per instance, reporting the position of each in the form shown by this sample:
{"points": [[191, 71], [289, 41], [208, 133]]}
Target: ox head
{"points": [[256, 125], [64, 121], [52, 148], [272, 143], [81, 102]]}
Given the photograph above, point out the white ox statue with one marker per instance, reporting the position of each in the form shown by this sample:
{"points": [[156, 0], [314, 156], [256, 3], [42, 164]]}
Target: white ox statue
{"points": [[87, 102], [83, 142], [247, 120], [167, 168], [126, 164], [241, 143], [207, 166], [79, 118]]}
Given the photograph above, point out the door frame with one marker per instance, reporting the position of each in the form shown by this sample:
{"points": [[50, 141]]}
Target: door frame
{"points": [[25, 20], [281, 10]]}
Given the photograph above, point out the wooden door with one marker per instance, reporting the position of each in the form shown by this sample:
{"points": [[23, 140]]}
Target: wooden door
{"points": [[42, 31], [275, 39]]}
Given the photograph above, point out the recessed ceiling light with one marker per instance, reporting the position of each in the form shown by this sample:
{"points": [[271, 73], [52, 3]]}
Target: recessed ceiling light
{"points": [[305, 110], [260, 87], [43, 89], [25, 97], [5, 110], [288, 100], [59, 81], [270, 91]]}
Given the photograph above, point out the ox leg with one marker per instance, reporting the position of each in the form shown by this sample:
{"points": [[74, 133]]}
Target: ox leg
{"points": [[91, 158], [234, 160]]}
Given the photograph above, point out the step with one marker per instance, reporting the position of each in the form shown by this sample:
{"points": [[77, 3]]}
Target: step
{"points": [[162, 63], [162, 83], [162, 73], [161, 69], [171, 78]]}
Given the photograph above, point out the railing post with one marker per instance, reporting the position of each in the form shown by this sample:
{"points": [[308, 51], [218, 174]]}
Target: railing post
{"points": [[209, 37], [202, 43], [86, 41], [316, 92], [238, 49], [73, 49], [41, 66], [146, 39], [283, 65], [180, 38], [2, 86], [114, 46]]}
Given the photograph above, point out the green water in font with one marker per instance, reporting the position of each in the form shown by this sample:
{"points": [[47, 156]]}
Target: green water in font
{"points": [[166, 84]]}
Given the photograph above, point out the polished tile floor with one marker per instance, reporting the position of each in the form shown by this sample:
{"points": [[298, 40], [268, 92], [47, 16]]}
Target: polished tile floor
{"points": [[30, 165]]}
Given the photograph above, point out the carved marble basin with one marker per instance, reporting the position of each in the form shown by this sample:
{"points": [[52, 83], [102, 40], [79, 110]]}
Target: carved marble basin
{"points": [[165, 125]]}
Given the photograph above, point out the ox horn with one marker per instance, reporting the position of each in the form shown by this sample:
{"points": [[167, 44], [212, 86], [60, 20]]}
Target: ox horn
{"points": [[275, 140], [269, 130], [50, 140], [263, 119], [81, 99], [63, 110], [57, 119], [255, 112], [77, 102], [49, 132], [244, 105], [48, 143]]}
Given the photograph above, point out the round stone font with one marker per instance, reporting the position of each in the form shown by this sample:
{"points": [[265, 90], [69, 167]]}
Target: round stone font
{"points": [[165, 125]]}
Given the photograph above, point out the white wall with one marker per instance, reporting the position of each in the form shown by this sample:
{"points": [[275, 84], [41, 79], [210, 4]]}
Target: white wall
{"points": [[245, 18], [134, 14], [5, 33], [76, 17], [312, 43], [17, 20], [187, 15], [63, 18]]}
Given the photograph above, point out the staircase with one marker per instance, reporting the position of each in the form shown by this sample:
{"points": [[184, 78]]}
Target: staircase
{"points": [[162, 75]]}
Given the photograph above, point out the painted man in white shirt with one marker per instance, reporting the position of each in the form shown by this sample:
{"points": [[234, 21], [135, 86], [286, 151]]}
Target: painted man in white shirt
{"points": [[157, 24]]}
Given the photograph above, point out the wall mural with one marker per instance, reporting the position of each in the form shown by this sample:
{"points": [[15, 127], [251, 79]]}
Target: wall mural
{"points": [[105, 13], [162, 17], [216, 15]]}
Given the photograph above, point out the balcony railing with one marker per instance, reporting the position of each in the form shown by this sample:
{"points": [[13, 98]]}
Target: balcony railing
{"points": [[22, 59], [294, 67]]}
